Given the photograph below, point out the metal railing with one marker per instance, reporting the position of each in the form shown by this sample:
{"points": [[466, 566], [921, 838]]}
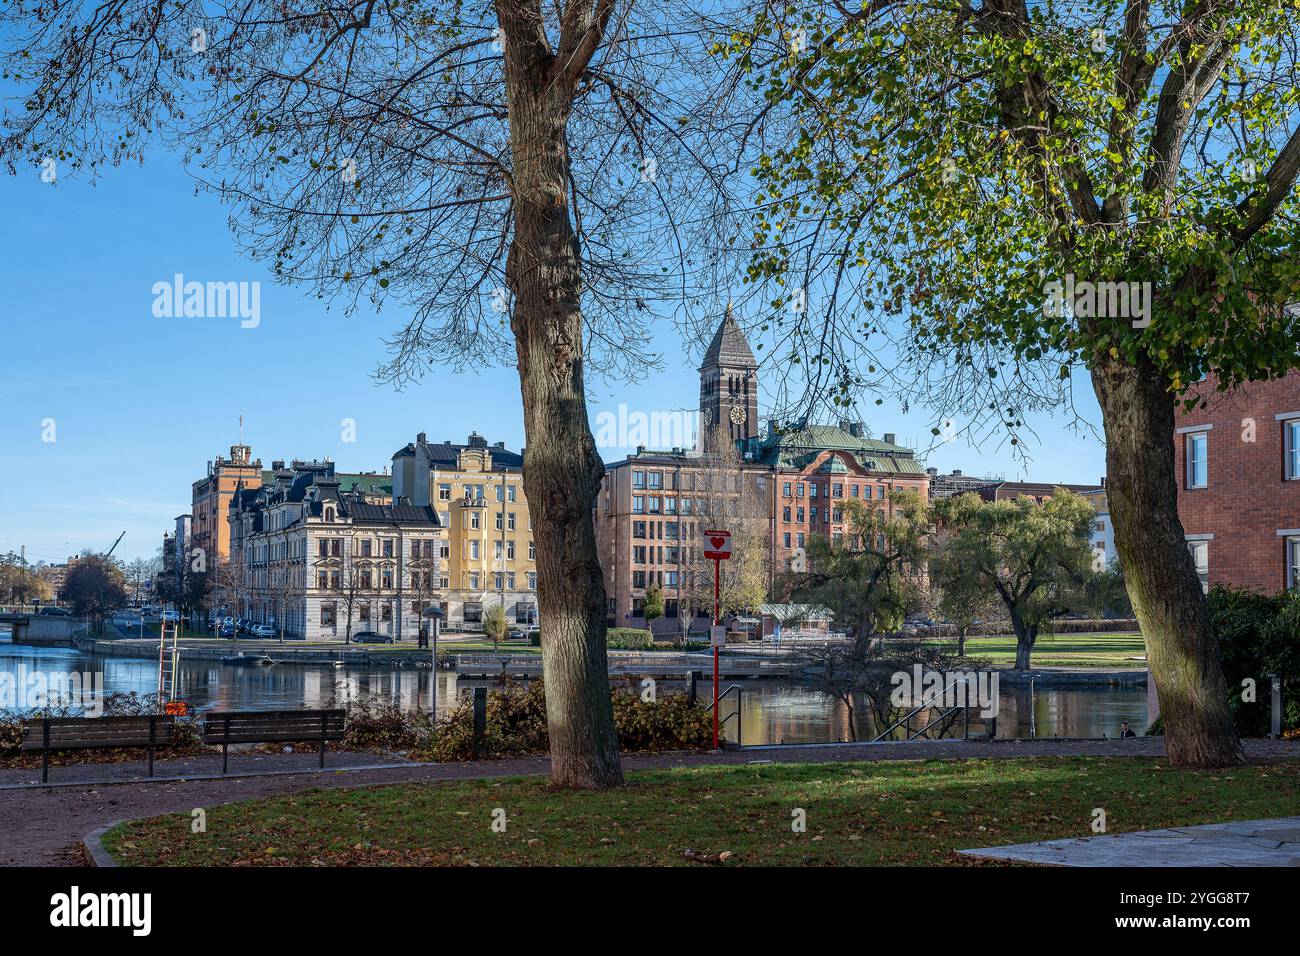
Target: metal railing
{"points": [[722, 722], [944, 712]]}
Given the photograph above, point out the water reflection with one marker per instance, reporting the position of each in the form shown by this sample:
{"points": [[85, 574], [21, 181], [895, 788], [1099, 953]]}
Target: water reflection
{"points": [[771, 711]]}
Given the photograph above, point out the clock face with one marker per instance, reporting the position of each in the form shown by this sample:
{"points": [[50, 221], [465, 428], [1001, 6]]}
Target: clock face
{"points": [[737, 415]]}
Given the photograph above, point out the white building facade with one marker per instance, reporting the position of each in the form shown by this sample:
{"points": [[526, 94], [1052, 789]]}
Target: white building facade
{"points": [[320, 566]]}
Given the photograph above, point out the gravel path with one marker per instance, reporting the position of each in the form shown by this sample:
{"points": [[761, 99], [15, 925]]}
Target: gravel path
{"points": [[43, 826]]}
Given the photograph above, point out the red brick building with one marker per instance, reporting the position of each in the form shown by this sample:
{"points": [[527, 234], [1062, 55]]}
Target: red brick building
{"points": [[1238, 462]]}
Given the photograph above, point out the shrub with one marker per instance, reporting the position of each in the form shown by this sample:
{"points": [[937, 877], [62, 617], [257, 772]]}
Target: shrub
{"points": [[1258, 635], [516, 723], [629, 639], [382, 723]]}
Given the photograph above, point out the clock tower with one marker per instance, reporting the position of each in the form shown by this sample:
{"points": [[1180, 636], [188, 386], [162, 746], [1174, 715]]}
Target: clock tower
{"points": [[728, 386]]}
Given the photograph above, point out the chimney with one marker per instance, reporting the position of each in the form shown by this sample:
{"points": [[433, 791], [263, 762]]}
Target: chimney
{"points": [[420, 438], [932, 472], [847, 425], [889, 438], [772, 428], [1103, 481], [956, 472]]}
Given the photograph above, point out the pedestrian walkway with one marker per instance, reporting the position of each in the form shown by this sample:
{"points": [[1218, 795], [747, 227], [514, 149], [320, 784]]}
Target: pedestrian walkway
{"points": [[1245, 843]]}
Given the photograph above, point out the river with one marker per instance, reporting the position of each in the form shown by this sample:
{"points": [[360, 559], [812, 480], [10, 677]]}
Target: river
{"points": [[771, 710]]}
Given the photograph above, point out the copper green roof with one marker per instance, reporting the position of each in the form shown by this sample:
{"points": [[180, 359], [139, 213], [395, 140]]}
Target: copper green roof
{"points": [[798, 449]]}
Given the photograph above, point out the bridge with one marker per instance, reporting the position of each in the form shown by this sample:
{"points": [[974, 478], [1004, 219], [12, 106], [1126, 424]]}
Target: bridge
{"points": [[30, 628]]}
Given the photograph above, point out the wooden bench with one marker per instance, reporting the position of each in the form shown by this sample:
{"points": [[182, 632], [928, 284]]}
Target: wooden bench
{"points": [[270, 726], [52, 734]]}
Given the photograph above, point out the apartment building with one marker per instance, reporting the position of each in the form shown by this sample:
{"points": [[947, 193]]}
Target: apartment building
{"points": [[817, 468], [772, 491], [650, 515], [1238, 463], [210, 499], [325, 562], [489, 556]]}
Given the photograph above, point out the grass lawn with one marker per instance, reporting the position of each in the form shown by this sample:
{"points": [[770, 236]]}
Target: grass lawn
{"points": [[1114, 649], [916, 812]]}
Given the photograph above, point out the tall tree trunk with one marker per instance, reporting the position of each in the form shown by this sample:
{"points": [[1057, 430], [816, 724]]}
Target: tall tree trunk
{"points": [[1026, 635], [1182, 652], [562, 470]]}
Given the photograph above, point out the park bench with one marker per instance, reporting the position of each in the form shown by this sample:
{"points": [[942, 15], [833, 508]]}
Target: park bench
{"points": [[52, 734], [270, 726]]}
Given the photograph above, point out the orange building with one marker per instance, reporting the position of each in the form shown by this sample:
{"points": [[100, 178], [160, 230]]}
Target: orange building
{"points": [[210, 500]]}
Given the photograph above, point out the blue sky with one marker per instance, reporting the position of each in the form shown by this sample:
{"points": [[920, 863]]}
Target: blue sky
{"points": [[140, 403]]}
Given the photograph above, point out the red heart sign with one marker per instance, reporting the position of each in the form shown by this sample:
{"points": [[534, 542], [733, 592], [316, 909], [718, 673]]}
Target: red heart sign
{"points": [[717, 542]]}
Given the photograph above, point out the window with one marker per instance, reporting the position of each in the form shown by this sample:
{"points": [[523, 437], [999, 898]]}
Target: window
{"points": [[324, 548], [1198, 472], [638, 529], [656, 479], [812, 491], [1293, 563], [785, 489], [327, 615], [473, 611], [837, 491], [799, 489], [1200, 551], [880, 493], [366, 547], [474, 519], [510, 493], [785, 513], [444, 492], [638, 479], [654, 506], [638, 505], [532, 580], [385, 612], [386, 579], [363, 613], [473, 582], [510, 521], [853, 490], [473, 550], [510, 550], [1292, 440], [388, 547], [532, 550]]}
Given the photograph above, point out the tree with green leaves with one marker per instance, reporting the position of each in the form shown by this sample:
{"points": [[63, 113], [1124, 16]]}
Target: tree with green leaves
{"points": [[653, 607], [494, 624], [872, 576], [981, 197], [1031, 555]]}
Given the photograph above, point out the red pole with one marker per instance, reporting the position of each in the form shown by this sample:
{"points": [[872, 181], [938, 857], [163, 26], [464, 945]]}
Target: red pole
{"points": [[717, 564]]}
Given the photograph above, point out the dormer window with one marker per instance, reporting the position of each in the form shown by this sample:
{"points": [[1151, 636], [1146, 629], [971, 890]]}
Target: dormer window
{"points": [[329, 514]]}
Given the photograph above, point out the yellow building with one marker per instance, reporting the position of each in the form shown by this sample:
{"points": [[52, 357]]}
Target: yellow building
{"points": [[489, 557]]}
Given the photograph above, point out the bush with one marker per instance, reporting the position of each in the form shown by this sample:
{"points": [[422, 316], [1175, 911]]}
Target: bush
{"points": [[382, 723], [516, 723], [1258, 635], [629, 639]]}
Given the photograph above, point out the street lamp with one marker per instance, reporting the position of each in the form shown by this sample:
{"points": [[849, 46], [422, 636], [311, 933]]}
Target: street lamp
{"points": [[434, 615]]}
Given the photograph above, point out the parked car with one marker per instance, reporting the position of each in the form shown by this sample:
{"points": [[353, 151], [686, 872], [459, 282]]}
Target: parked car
{"points": [[371, 637], [171, 617], [54, 612], [262, 630], [227, 630], [516, 634]]}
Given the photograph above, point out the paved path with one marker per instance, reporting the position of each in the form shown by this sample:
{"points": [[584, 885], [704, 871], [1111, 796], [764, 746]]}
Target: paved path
{"points": [[43, 826], [1245, 843]]}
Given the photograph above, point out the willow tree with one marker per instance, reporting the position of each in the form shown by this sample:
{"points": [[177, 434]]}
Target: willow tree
{"points": [[1002, 193], [524, 181]]}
